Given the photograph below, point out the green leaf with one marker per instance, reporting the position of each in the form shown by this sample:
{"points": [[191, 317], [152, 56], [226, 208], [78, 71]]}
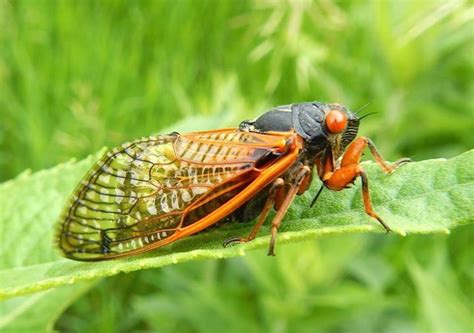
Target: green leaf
{"points": [[421, 197]]}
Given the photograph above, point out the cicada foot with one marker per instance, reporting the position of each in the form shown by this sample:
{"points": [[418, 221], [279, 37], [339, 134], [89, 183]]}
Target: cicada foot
{"points": [[386, 167], [234, 240], [399, 163]]}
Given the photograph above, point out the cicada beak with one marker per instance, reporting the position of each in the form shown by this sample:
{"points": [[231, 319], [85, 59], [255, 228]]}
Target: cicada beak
{"points": [[316, 196]]}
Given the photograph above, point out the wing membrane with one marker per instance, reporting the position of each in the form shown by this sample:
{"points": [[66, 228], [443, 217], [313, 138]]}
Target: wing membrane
{"points": [[143, 194]]}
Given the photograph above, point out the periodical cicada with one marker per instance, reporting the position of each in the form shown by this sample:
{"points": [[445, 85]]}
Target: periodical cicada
{"points": [[154, 191]]}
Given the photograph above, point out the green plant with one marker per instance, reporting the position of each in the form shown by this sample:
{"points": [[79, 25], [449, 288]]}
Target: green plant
{"points": [[77, 76]]}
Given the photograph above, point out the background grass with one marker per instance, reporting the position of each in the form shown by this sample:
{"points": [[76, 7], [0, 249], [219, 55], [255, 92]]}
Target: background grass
{"points": [[78, 75]]}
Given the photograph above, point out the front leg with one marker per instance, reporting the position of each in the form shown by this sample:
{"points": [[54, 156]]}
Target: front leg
{"points": [[354, 152], [350, 169]]}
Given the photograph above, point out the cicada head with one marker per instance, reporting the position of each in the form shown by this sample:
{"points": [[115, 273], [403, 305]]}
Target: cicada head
{"points": [[325, 125], [342, 126]]}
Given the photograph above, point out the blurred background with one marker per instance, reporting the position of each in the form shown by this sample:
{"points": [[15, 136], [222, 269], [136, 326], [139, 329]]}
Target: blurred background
{"points": [[78, 75]]}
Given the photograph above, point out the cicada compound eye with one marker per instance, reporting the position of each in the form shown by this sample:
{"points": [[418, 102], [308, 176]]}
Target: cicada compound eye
{"points": [[336, 121]]}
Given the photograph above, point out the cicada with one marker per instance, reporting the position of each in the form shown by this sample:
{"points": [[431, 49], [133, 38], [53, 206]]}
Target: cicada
{"points": [[154, 191]]}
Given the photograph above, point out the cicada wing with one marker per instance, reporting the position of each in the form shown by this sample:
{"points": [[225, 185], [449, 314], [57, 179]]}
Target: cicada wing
{"points": [[137, 196]]}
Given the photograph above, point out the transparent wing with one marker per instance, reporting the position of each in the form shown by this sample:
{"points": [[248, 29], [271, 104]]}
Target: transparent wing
{"points": [[137, 196]]}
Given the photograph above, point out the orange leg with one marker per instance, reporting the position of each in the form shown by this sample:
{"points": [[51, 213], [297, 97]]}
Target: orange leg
{"points": [[350, 169], [354, 152], [276, 188], [305, 183], [279, 197], [290, 195]]}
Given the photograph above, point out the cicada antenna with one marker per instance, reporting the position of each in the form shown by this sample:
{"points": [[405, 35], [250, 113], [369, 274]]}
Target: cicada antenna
{"points": [[363, 107], [366, 115]]}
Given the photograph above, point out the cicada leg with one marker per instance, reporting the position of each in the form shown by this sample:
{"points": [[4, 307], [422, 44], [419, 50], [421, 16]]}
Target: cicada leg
{"points": [[290, 196], [354, 152], [350, 168], [275, 189], [282, 207]]}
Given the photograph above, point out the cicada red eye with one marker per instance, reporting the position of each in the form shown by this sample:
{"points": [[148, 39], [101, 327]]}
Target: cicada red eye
{"points": [[336, 121]]}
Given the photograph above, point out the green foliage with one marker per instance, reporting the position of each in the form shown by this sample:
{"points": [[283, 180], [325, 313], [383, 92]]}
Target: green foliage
{"points": [[79, 75]]}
